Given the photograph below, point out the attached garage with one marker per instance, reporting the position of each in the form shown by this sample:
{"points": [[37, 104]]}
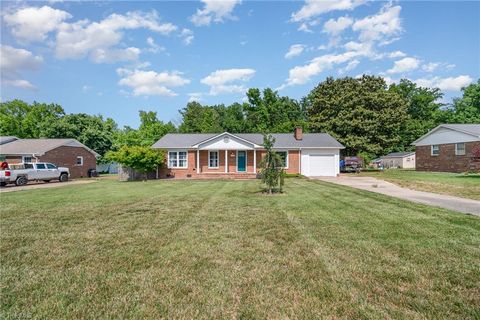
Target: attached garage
{"points": [[320, 162]]}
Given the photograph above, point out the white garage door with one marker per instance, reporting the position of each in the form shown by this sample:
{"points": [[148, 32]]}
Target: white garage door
{"points": [[322, 165]]}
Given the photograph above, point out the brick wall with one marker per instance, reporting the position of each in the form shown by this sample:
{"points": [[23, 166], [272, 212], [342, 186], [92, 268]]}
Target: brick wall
{"points": [[67, 157], [447, 161], [191, 170]]}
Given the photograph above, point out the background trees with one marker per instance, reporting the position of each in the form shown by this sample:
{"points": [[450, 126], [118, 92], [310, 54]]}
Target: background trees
{"points": [[364, 114]]}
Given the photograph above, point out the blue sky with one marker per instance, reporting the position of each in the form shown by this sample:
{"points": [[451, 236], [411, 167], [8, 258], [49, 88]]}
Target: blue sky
{"points": [[115, 58]]}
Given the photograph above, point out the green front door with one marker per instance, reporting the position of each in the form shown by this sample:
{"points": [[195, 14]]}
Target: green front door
{"points": [[241, 161]]}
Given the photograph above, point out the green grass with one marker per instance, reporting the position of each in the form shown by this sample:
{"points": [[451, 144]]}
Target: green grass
{"points": [[455, 184], [219, 249]]}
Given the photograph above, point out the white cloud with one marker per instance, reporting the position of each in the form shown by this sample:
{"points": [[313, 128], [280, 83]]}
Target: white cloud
{"points": [[379, 27], [98, 39], [349, 67], [195, 96], [228, 80], [33, 23], [150, 82], [302, 74], [397, 54], [295, 50], [447, 84], [305, 26], [335, 27], [19, 83], [405, 65], [187, 36], [430, 67], [313, 8], [13, 61], [214, 11], [153, 46]]}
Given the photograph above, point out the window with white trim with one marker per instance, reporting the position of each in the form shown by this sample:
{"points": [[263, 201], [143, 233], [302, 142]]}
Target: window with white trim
{"points": [[435, 150], [460, 149], [79, 161], [213, 159], [177, 159], [26, 159], [284, 156]]}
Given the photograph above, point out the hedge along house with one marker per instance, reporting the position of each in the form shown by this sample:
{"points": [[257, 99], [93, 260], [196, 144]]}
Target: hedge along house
{"points": [[449, 148], [69, 153], [228, 155]]}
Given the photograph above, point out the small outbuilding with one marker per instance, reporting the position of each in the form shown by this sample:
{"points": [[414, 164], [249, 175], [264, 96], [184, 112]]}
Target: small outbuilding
{"points": [[398, 160]]}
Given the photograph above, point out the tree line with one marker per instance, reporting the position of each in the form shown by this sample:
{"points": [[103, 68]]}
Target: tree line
{"points": [[365, 114]]}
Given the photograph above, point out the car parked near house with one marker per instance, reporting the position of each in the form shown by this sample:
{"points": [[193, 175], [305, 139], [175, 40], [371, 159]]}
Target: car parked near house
{"points": [[20, 174]]}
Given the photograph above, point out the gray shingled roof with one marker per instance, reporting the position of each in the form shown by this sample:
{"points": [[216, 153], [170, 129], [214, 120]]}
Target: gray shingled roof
{"points": [[399, 154], [469, 128], [38, 146], [6, 139], [282, 140]]}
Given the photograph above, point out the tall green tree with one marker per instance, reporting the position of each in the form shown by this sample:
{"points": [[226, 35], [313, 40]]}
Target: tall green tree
{"points": [[23, 120], [423, 110], [360, 112], [268, 112], [467, 108], [150, 130], [200, 119], [93, 131]]}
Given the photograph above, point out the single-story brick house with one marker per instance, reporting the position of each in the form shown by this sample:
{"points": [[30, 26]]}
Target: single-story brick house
{"points": [[402, 160], [449, 148], [227, 155], [62, 152]]}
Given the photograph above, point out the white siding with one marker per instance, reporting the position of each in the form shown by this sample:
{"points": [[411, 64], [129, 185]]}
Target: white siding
{"points": [[231, 143], [305, 159], [443, 136]]}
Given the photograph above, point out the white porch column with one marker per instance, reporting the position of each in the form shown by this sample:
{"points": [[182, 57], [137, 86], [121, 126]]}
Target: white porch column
{"points": [[198, 161], [226, 161], [254, 161]]}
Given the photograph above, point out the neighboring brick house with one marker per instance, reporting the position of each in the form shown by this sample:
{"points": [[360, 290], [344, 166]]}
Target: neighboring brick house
{"points": [[449, 148], [62, 152], [227, 155]]}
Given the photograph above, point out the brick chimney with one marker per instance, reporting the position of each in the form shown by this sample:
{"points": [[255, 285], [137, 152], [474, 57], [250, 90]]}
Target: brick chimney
{"points": [[298, 133]]}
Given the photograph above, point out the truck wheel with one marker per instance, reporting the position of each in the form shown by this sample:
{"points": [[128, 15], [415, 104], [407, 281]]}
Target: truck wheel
{"points": [[3, 184], [21, 181], [63, 177]]}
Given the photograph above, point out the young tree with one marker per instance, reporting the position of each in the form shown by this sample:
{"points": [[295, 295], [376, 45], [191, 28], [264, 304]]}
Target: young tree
{"points": [[271, 171], [139, 158]]}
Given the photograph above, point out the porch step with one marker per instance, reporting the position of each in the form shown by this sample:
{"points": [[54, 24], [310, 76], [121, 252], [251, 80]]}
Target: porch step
{"points": [[207, 175]]}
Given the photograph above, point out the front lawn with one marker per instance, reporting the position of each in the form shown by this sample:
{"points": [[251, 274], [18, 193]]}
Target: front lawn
{"points": [[218, 249], [455, 184]]}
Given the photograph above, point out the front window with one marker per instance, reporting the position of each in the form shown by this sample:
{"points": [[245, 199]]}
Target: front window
{"points": [[213, 159], [177, 159], [51, 166], [460, 149], [79, 161], [284, 156], [435, 150]]}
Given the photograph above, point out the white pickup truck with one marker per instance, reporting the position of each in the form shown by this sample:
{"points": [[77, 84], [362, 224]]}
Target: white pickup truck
{"points": [[21, 173]]}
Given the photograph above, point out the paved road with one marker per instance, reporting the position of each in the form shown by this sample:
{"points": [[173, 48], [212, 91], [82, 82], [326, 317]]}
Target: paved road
{"points": [[390, 189], [43, 185]]}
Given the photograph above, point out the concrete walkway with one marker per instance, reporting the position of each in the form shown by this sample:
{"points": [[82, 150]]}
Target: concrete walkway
{"points": [[43, 185], [390, 189]]}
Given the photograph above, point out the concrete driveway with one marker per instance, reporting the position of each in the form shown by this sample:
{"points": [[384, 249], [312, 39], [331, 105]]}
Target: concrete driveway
{"points": [[390, 189], [42, 185]]}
